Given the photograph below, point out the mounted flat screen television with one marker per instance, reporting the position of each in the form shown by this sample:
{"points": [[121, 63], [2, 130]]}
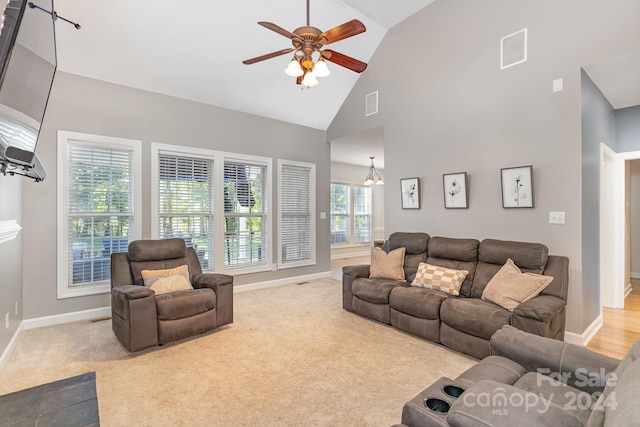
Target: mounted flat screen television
{"points": [[28, 66]]}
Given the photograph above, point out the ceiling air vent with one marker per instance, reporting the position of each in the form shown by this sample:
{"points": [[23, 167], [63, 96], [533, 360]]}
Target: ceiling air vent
{"points": [[513, 49], [371, 102]]}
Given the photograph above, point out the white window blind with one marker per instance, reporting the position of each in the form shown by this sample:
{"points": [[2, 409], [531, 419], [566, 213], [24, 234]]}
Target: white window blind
{"points": [[245, 214], [185, 202], [339, 211], [99, 204], [362, 214], [297, 206]]}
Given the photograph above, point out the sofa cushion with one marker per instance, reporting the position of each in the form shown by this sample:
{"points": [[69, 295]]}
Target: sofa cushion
{"points": [[416, 250], [493, 254], [459, 254], [167, 280], [577, 401], [418, 302], [474, 316], [182, 304], [509, 286], [387, 265], [443, 279], [375, 290]]}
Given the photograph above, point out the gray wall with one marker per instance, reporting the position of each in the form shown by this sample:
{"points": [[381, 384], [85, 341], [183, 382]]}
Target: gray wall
{"points": [[90, 106], [447, 107], [598, 126], [628, 129], [11, 257]]}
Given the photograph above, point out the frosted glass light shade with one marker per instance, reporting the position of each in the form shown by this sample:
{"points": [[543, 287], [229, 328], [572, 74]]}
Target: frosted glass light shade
{"points": [[294, 69], [310, 80], [321, 69]]}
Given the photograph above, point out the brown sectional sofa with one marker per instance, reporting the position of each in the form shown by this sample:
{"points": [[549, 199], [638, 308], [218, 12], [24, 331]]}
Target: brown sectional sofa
{"points": [[466, 322]]}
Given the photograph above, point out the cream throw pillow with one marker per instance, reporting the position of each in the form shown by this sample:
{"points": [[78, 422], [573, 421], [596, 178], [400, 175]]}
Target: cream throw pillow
{"points": [[439, 278], [387, 265], [510, 286], [169, 280]]}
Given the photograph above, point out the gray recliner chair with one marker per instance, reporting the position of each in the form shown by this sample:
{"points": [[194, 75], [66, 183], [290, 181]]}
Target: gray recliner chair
{"points": [[142, 319]]}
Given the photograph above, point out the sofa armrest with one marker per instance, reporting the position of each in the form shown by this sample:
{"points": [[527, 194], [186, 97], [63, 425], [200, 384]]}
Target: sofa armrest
{"points": [[542, 308], [134, 318], [349, 274], [490, 403], [576, 366], [543, 315], [222, 285]]}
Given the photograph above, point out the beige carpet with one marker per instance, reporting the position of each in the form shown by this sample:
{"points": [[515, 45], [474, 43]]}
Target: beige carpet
{"points": [[293, 356]]}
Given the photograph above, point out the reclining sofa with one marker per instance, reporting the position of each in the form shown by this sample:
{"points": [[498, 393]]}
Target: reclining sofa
{"points": [[465, 322], [533, 381]]}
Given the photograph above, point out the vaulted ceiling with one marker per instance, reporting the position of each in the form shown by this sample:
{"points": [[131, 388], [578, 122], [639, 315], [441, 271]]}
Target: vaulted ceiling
{"points": [[194, 50]]}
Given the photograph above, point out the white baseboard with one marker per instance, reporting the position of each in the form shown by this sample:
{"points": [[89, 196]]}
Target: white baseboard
{"points": [[627, 290], [10, 347], [280, 282], [58, 319], [635, 275], [584, 338]]}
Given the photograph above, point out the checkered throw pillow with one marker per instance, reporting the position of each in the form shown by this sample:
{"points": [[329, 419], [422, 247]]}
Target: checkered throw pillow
{"points": [[439, 278]]}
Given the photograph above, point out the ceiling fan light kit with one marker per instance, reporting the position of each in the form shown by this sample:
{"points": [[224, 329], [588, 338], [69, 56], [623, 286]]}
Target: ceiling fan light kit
{"points": [[308, 41]]}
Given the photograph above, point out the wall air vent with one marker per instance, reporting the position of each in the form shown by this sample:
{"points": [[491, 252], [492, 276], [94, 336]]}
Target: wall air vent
{"points": [[371, 103], [513, 49]]}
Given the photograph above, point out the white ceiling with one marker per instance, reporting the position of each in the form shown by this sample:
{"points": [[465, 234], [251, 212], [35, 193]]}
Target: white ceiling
{"points": [[194, 50], [618, 79]]}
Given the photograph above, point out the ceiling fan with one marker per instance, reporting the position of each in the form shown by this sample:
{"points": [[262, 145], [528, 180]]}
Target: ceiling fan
{"points": [[308, 40]]}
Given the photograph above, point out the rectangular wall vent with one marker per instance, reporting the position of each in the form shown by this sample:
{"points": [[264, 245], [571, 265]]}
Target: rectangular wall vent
{"points": [[513, 49], [371, 102]]}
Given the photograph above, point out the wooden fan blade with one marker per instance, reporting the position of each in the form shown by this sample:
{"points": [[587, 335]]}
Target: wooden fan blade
{"points": [[280, 30], [267, 56], [344, 60], [341, 32]]}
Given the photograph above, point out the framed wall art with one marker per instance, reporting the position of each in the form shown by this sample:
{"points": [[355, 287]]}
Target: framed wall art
{"points": [[410, 193], [517, 187], [455, 190]]}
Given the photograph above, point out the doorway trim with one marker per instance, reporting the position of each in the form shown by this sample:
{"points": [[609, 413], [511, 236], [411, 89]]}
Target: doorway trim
{"points": [[612, 225]]}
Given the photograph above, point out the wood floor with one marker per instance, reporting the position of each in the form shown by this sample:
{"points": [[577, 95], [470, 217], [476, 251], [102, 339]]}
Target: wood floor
{"points": [[621, 327]]}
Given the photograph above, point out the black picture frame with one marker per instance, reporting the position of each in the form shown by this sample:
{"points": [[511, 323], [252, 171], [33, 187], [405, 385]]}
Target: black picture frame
{"points": [[454, 187], [410, 193], [517, 187]]}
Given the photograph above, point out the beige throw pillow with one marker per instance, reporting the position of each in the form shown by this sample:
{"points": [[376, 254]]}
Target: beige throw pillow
{"points": [[387, 265], [169, 280], [510, 287], [439, 278]]}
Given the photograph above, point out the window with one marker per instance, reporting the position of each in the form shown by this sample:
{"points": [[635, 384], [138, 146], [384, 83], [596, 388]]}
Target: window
{"points": [[362, 214], [216, 202], [339, 213], [245, 215], [350, 217], [98, 211], [186, 202], [296, 237]]}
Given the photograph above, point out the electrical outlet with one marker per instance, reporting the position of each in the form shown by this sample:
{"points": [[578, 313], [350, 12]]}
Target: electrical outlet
{"points": [[6, 321]]}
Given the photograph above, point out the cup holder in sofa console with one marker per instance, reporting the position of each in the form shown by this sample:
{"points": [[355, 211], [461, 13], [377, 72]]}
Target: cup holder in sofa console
{"points": [[452, 391], [438, 406]]}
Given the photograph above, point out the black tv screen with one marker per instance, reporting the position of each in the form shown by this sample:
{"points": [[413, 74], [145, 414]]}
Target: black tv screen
{"points": [[28, 65]]}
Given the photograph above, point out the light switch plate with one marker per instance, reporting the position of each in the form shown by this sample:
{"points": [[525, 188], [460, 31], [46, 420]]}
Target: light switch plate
{"points": [[323, 215], [558, 85], [556, 217]]}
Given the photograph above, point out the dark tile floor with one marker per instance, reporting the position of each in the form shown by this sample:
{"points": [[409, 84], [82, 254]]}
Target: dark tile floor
{"points": [[72, 402]]}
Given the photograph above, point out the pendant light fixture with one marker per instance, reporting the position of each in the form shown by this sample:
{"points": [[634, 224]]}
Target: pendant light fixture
{"points": [[373, 175]]}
